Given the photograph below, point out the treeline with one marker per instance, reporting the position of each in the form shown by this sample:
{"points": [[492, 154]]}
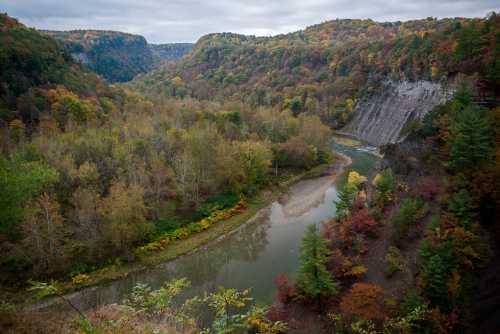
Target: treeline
{"points": [[326, 68], [86, 185], [88, 171]]}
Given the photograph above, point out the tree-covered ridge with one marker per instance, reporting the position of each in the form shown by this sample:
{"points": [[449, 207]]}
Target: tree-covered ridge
{"points": [[326, 67], [33, 67], [81, 158], [117, 56], [30, 63]]}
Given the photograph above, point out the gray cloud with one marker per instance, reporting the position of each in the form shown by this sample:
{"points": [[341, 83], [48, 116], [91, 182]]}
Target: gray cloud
{"points": [[187, 20]]}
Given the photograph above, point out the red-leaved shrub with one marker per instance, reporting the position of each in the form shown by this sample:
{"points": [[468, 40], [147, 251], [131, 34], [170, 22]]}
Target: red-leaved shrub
{"points": [[286, 288], [362, 221]]}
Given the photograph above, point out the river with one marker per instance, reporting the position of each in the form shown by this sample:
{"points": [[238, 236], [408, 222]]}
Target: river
{"points": [[252, 256]]}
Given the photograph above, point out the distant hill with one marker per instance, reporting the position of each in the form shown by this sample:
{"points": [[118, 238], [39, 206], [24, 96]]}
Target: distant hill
{"points": [[170, 51], [31, 64], [326, 68], [117, 56]]}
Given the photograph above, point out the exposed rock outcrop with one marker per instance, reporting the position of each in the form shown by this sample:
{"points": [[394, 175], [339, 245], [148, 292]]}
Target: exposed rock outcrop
{"points": [[380, 118], [117, 56]]}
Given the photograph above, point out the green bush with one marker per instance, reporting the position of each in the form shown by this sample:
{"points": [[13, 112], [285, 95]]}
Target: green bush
{"points": [[165, 225], [385, 184], [462, 206], [409, 213], [437, 262], [412, 300], [219, 202], [394, 261]]}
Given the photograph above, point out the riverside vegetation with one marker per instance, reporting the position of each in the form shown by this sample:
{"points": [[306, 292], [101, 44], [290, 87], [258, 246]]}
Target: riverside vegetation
{"points": [[93, 173]]}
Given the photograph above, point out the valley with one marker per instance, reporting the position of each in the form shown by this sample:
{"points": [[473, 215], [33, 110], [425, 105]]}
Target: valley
{"points": [[343, 178]]}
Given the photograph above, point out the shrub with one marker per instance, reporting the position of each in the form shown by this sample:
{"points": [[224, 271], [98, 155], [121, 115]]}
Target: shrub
{"points": [[356, 271], [394, 261], [221, 201], [385, 184], [355, 178], [411, 301], [80, 279], [286, 289], [427, 188], [362, 221], [409, 213], [165, 225], [364, 300], [185, 232]]}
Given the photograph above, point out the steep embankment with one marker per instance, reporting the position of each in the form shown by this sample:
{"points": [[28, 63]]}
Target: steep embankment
{"points": [[383, 117], [117, 56], [31, 64], [328, 68]]}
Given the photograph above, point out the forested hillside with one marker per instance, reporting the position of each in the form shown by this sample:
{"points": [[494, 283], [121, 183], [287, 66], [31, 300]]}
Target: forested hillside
{"points": [[325, 69], [118, 56], [30, 65], [99, 180], [90, 171]]}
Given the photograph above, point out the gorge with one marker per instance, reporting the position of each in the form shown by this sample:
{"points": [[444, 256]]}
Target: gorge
{"points": [[343, 178]]}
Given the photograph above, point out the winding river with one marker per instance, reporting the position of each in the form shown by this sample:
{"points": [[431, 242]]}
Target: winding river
{"points": [[253, 255]]}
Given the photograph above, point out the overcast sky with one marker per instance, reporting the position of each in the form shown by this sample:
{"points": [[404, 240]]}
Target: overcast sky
{"points": [[162, 21]]}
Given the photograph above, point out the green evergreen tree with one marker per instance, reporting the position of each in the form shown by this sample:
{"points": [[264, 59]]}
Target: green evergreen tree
{"points": [[462, 206], [434, 275], [472, 140], [346, 195], [314, 279]]}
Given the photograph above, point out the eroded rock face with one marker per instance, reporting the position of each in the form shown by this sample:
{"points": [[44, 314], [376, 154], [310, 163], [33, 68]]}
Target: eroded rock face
{"points": [[380, 119]]}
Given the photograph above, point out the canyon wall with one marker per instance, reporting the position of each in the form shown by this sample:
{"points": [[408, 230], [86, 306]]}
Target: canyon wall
{"points": [[380, 118]]}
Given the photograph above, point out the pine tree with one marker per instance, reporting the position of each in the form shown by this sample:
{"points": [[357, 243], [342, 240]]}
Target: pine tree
{"points": [[472, 141], [434, 275], [314, 279], [346, 196]]}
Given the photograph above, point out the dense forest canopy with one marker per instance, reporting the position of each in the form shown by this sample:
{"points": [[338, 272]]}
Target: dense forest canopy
{"points": [[96, 175], [107, 169], [325, 68]]}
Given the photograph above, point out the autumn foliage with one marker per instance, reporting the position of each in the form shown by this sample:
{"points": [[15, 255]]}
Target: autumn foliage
{"points": [[364, 300], [287, 290]]}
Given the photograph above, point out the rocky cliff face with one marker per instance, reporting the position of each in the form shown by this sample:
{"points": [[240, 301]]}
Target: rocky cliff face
{"points": [[116, 56], [382, 117]]}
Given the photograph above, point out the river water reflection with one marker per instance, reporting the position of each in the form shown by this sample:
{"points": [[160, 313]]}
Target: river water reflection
{"points": [[250, 257]]}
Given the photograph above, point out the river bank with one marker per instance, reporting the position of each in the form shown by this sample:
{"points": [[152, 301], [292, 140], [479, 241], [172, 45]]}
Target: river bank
{"points": [[257, 209]]}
